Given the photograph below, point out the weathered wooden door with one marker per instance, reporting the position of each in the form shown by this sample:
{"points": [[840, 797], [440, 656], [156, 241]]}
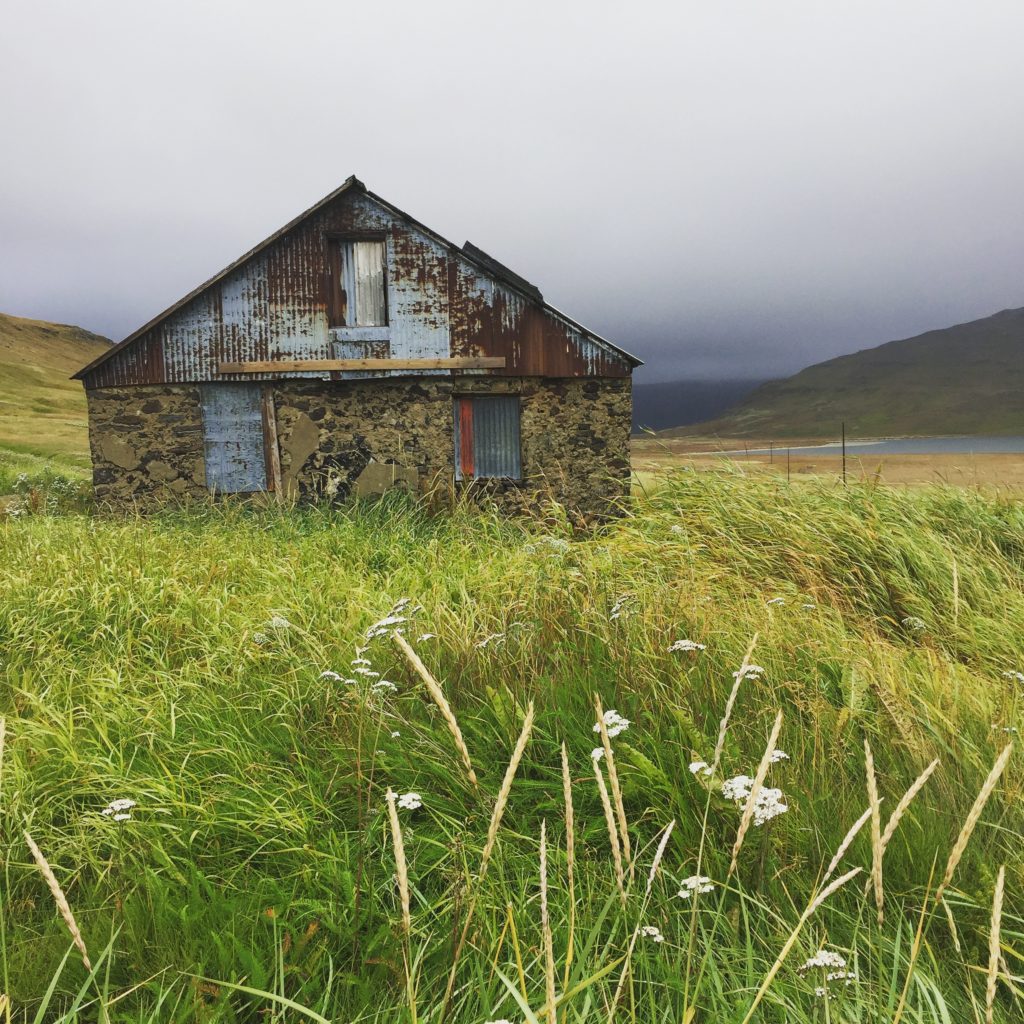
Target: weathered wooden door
{"points": [[233, 441]]}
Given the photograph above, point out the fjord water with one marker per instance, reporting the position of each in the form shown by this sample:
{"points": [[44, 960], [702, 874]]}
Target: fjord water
{"points": [[906, 446]]}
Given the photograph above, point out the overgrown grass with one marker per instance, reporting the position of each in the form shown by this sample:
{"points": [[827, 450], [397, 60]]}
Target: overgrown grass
{"points": [[254, 879]]}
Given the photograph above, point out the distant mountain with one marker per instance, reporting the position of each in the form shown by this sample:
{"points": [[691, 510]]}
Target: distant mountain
{"points": [[967, 379], [41, 411], [679, 402]]}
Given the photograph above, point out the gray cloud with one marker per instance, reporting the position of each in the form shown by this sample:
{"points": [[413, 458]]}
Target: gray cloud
{"points": [[732, 189]]}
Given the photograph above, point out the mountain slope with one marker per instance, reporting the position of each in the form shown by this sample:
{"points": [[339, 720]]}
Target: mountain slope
{"points": [[41, 411], [967, 379]]}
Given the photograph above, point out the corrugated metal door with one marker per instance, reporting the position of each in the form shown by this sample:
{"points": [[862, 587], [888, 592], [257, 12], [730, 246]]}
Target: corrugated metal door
{"points": [[487, 437], [233, 438]]}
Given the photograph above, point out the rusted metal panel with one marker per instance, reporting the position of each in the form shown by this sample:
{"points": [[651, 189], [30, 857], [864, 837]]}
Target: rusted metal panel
{"points": [[441, 301], [464, 439], [233, 443]]}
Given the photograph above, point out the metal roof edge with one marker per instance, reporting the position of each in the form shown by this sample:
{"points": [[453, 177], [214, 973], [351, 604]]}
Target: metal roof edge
{"points": [[350, 183]]}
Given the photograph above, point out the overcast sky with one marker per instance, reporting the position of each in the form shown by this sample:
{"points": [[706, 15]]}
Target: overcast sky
{"points": [[724, 188]]}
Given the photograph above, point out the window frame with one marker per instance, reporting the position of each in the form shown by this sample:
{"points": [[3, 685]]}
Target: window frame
{"points": [[465, 436], [336, 299]]}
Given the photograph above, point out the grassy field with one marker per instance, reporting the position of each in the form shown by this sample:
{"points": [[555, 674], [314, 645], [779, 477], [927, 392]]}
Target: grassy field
{"points": [[652, 457], [215, 669], [42, 412]]}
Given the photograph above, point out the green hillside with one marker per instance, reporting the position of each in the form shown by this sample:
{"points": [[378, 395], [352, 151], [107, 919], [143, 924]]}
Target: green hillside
{"points": [[42, 412], [967, 379]]}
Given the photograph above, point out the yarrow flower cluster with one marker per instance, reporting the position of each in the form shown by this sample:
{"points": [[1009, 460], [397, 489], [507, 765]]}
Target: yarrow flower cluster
{"points": [[395, 620], [614, 723], [686, 645], [407, 801], [699, 884], [772, 602], [749, 671], [649, 931], [700, 767], [119, 810], [777, 756], [834, 966], [768, 804], [494, 638], [597, 753], [1017, 677], [914, 623], [619, 608], [278, 622]]}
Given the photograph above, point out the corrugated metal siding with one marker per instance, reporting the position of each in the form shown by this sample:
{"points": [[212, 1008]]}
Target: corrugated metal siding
{"points": [[233, 438], [490, 423], [439, 304]]}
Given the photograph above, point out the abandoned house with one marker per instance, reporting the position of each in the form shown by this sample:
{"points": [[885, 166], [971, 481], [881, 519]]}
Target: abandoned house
{"points": [[355, 350]]}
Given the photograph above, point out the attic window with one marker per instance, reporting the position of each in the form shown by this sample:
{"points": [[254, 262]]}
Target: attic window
{"points": [[358, 293], [487, 438]]}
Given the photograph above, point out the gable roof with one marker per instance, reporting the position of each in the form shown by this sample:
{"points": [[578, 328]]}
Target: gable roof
{"points": [[469, 252]]}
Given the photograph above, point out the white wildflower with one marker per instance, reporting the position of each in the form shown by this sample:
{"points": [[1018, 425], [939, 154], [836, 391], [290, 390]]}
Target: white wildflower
{"points": [[779, 755], [410, 801], [770, 803], [494, 638], [423, 637], [737, 788], [278, 622], [775, 601], [328, 674], [751, 671], [820, 991], [676, 529], [694, 884], [119, 810], [914, 623], [619, 608], [360, 660], [395, 734], [260, 639], [808, 606], [700, 766], [824, 958], [686, 645], [649, 931], [597, 753], [501, 1020], [614, 723], [383, 686], [362, 670], [1017, 677]]}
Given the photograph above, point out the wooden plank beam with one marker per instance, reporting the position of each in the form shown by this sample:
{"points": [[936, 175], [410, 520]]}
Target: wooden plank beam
{"points": [[324, 365]]}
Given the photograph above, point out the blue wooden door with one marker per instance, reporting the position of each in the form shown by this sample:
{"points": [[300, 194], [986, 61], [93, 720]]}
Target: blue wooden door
{"points": [[233, 438]]}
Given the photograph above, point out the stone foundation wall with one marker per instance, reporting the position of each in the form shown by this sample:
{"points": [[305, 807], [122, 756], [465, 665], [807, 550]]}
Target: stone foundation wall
{"points": [[338, 438], [146, 445]]}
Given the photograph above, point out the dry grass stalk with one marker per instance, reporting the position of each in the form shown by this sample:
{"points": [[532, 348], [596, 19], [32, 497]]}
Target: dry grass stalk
{"points": [[570, 858], [401, 868], [845, 844], [901, 808], [545, 928], [506, 787], [613, 782], [748, 810], [3, 744], [658, 854], [876, 831], [993, 945], [60, 899], [437, 694], [973, 817], [613, 832], [791, 941], [724, 724], [485, 857]]}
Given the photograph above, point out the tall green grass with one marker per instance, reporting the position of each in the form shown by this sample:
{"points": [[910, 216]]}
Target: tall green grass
{"points": [[255, 877]]}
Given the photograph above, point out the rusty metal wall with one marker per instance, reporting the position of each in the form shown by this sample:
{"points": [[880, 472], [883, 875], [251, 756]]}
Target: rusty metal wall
{"points": [[440, 304]]}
